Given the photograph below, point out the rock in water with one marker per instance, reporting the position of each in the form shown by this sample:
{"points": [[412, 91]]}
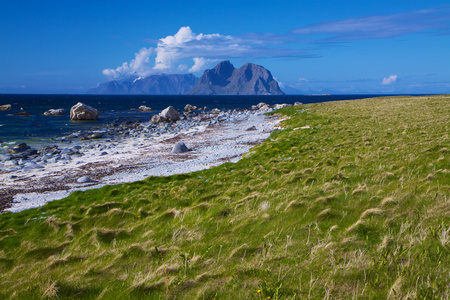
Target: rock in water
{"points": [[189, 108], [5, 107], [170, 114], [81, 111], [180, 147], [145, 108], [18, 148], [55, 112]]}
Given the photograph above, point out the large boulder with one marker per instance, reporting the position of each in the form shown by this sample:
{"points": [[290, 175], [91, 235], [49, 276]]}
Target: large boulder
{"points": [[81, 111], [170, 114], [55, 112], [5, 107]]}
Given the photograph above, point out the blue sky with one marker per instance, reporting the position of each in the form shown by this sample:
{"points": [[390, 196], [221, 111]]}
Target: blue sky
{"points": [[340, 47]]}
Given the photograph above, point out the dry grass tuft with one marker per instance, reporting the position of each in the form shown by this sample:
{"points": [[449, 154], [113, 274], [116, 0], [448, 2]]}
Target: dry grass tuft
{"points": [[388, 201], [360, 190], [294, 204], [372, 212], [50, 289]]}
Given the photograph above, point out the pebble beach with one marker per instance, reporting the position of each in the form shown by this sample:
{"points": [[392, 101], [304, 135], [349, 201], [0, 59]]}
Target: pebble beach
{"points": [[127, 152]]}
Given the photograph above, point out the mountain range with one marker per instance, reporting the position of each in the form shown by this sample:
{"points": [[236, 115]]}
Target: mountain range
{"points": [[223, 79], [164, 84]]}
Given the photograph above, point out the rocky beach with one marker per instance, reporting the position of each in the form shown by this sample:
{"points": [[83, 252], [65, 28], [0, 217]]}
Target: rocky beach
{"points": [[169, 143]]}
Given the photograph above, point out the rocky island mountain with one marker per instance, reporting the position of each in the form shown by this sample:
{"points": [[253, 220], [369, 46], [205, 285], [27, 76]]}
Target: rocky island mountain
{"points": [[164, 84], [224, 79]]}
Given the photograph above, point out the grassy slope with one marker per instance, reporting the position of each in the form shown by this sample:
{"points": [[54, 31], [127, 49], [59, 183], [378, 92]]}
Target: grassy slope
{"points": [[356, 206]]}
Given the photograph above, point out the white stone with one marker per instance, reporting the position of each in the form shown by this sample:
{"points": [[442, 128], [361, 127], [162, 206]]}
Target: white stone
{"points": [[81, 111]]}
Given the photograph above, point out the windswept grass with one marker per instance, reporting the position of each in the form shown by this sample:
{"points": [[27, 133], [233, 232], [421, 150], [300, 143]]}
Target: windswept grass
{"points": [[356, 206]]}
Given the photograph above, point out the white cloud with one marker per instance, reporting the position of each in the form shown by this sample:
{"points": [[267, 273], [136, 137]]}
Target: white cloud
{"points": [[186, 44], [138, 66], [390, 80], [173, 52], [200, 63]]}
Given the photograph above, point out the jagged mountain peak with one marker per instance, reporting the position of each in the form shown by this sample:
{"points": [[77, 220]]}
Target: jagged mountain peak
{"points": [[224, 79]]}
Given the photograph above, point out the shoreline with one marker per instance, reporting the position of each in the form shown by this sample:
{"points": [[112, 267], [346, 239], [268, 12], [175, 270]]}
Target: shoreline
{"points": [[133, 154]]}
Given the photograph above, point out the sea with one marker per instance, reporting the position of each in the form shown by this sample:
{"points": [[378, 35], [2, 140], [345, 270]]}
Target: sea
{"points": [[39, 130]]}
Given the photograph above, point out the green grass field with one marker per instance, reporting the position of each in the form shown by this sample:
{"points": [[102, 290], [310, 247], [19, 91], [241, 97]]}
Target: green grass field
{"points": [[355, 207]]}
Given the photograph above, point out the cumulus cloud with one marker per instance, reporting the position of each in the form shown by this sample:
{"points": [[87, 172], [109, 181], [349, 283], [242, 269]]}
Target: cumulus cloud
{"points": [[139, 66], [200, 63], [389, 80], [186, 50]]}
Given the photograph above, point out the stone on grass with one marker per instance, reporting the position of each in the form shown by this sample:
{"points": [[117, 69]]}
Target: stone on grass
{"points": [[81, 111], [278, 106]]}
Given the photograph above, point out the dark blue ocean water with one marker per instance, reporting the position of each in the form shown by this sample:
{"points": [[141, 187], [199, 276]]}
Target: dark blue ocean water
{"points": [[37, 128]]}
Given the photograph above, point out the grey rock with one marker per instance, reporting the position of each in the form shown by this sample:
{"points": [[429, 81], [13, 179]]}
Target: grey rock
{"points": [[251, 128], [96, 135], [12, 169], [26, 153], [85, 179], [11, 163], [158, 119], [81, 111], [180, 147], [67, 151], [298, 103], [5, 157], [31, 166], [103, 153], [18, 148]]}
